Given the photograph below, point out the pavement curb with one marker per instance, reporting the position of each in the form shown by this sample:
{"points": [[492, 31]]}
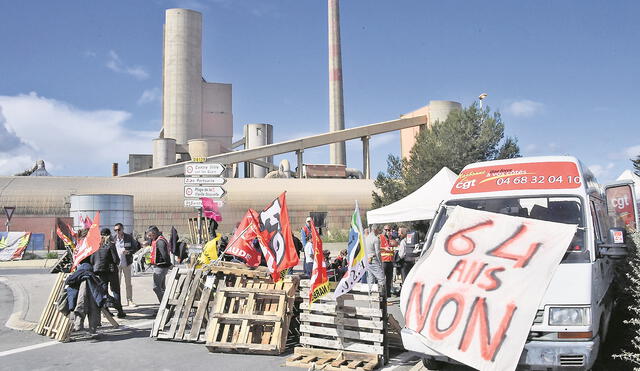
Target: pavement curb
{"points": [[16, 320]]}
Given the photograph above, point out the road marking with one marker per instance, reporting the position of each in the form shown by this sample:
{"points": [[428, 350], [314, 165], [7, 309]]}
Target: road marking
{"points": [[27, 348]]}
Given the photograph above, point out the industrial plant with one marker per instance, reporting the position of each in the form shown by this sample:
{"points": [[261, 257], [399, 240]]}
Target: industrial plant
{"points": [[197, 124]]}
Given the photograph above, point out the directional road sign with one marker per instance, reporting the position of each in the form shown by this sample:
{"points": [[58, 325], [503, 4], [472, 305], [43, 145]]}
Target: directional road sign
{"points": [[196, 202], [203, 169], [203, 191], [204, 180]]}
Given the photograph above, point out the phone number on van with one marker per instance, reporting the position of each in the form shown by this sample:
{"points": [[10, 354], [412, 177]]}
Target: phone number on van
{"points": [[538, 179]]}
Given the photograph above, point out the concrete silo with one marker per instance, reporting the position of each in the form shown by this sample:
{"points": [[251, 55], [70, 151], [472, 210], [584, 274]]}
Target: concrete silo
{"points": [[182, 74], [257, 135], [164, 151], [437, 110]]}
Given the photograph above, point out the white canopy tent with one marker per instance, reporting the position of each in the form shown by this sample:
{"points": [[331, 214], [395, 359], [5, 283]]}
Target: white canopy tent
{"points": [[630, 175], [422, 204]]}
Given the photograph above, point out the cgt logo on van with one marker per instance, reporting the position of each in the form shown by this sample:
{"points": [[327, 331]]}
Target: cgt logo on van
{"points": [[534, 175], [474, 297]]}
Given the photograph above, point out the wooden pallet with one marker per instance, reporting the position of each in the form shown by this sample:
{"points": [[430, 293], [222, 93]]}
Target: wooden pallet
{"points": [[64, 263], [332, 360], [252, 316], [355, 322], [54, 323], [186, 305]]}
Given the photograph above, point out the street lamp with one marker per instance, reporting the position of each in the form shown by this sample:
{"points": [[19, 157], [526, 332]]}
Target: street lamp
{"points": [[481, 97]]}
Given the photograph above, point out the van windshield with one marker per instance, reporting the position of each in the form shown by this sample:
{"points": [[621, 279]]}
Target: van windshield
{"points": [[567, 210]]}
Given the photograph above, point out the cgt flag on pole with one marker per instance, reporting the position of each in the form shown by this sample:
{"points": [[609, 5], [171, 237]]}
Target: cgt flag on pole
{"points": [[241, 244], [357, 266], [89, 244], [276, 240], [319, 282]]}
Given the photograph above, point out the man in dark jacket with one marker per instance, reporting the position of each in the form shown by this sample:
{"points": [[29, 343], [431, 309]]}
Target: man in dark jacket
{"points": [[126, 246], [105, 263], [160, 260]]}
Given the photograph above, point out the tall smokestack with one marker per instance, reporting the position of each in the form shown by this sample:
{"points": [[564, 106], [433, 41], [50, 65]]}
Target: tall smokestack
{"points": [[182, 76], [337, 153]]}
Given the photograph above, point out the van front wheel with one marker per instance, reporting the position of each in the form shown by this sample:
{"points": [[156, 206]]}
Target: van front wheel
{"points": [[432, 364]]}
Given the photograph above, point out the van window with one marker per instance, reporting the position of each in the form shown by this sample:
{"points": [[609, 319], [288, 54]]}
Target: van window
{"points": [[596, 223], [567, 210]]}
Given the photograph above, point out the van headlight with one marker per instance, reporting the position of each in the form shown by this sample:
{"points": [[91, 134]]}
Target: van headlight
{"points": [[569, 316]]}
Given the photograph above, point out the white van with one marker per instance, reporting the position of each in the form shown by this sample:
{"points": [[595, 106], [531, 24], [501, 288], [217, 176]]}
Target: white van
{"points": [[572, 319]]}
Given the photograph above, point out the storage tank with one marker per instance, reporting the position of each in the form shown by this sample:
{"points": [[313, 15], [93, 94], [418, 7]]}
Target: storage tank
{"points": [[113, 208], [182, 74], [164, 152], [204, 147], [440, 109], [257, 135]]}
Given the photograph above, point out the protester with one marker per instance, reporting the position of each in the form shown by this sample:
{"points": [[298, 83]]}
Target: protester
{"points": [[126, 246], [305, 238], [340, 264], [375, 272], [105, 263], [298, 244], [85, 296], [406, 251], [401, 254], [387, 245], [160, 260]]}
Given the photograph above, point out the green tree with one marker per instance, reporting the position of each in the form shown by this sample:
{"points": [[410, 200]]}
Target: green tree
{"points": [[466, 136]]}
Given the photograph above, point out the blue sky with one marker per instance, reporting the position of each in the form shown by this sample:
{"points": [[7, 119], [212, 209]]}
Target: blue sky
{"points": [[80, 80]]}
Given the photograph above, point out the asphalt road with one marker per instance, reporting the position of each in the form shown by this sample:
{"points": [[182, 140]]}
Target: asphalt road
{"points": [[127, 348]]}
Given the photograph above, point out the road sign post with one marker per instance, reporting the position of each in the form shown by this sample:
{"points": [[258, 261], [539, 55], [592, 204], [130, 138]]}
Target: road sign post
{"points": [[9, 211]]}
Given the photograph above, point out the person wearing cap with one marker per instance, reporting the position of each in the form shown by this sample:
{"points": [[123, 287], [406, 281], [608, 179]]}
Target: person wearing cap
{"points": [[305, 238], [105, 263], [126, 246], [160, 260]]}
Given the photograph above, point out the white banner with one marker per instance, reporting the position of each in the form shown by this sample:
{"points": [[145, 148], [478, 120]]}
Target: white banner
{"points": [[13, 245], [475, 296], [357, 266]]}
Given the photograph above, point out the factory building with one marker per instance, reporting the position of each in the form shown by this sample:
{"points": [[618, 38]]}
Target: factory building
{"points": [[159, 201]]}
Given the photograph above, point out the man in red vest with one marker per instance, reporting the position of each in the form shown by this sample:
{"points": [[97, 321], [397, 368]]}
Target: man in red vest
{"points": [[387, 246], [160, 260]]}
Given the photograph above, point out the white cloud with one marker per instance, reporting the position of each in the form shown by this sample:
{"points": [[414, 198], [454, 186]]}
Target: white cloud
{"points": [[115, 64], [72, 141], [150, 96], [601, 171], [524, 108], [632, 152]]}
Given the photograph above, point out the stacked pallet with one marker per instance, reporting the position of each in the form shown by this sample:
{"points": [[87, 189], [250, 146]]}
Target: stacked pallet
{"points": [[354, 324], [252, 315], [186, 305], [54, 323]]}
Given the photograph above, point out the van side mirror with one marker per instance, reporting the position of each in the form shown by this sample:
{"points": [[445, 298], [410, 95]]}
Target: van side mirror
{"points": [[616, 248]]}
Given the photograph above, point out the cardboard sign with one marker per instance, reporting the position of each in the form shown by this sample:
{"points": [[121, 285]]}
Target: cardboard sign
{"points": [[534, 175], [475, 296]]}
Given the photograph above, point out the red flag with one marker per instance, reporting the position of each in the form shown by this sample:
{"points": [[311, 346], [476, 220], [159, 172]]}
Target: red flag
{"points": [[89, 244], [87, 222], [210, 209], [66, 234], [74, 235], [275, 237], [241, 244], [319, 281]]}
